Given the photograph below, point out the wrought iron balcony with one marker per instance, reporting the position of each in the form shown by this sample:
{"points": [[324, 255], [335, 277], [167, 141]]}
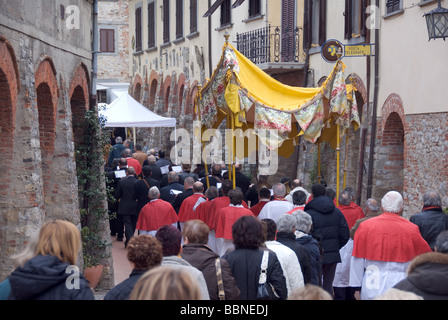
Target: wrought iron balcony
{"points": [[270, 45]]}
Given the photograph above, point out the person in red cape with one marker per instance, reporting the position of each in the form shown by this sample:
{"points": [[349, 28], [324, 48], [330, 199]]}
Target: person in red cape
{"points": [[187, 209], [226, 218], [383, 248], [132, 162], [203, 211], [352, 212], [219, 203], [156, 214], [264, 196]]}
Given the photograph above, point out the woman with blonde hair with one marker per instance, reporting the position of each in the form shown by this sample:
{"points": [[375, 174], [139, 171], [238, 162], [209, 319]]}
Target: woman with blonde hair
{"points": [[166, 283], [52, 273]]}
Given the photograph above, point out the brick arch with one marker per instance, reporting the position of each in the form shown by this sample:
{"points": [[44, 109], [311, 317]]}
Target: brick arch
{"points": [[181, 88], [47, 101], [189, 108], [81, 79], [392, 104], [358, 84], [166, 93], [47, 95], [137, 87], [79, 100]]}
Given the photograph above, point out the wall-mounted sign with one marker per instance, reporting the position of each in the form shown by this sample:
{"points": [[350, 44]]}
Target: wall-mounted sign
{"points": [[332, 50]]}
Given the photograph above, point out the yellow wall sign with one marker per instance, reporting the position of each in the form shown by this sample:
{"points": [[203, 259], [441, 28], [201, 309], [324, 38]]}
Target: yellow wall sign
{"points": [[360, 50]]}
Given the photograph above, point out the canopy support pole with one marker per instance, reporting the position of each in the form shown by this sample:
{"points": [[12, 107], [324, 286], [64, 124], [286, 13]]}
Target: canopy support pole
{"points": [[319, 166], [229, 151], [346, 161], [232, 118], [338, 163]]}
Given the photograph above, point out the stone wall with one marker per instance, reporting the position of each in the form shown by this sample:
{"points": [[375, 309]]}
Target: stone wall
{"points": [[45, 83]]}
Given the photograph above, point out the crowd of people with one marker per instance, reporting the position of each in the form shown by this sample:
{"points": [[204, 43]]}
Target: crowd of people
{"points": [[191, 235]]}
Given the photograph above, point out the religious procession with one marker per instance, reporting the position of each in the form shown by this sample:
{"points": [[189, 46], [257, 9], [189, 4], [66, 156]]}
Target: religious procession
{"points": [[252, 165]]}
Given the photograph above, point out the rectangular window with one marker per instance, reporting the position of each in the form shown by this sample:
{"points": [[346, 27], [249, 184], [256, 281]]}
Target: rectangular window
{"points": [[166, 21], [107, 40], [355, 17], [315, 25], [193, 16], [179, 19], [138, 29], [254, 8], [151, 24], [392, 6], [226, 15]]}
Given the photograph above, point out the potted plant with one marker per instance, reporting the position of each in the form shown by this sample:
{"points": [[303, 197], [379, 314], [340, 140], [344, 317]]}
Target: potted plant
{"points": [[92, 193]]}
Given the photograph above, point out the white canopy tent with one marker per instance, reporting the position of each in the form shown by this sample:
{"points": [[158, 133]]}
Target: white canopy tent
{"points": [[126, 112]]}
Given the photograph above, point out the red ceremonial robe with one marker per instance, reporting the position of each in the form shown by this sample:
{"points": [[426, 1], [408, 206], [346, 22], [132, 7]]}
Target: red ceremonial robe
{"points": [[351, 213], [218, 203], [186, 212], [389, 238], [295, 209], [135, 164], [156, 214], [203, 211], [256, 209], [226, 218]]}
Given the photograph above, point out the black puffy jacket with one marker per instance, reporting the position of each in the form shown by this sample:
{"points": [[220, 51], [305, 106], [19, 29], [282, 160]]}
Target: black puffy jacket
{"points": [[431, 222], [47, 278], [246, 266], [330, 226]]}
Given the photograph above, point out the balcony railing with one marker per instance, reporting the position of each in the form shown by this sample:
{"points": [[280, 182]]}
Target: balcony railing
{"points": [[270, 45]]}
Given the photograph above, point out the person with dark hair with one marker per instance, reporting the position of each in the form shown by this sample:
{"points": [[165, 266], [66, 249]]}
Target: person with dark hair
{"points": [[352, 213], [168, 193], [253, 193], [127, 208], [203, 212], [246, 259], [432, 220], [187, 209], [298, 200], [199, 254], [330, 192], [264, 196], [330, 226], [171, 238], [162, 162], [219, 203], [214, 178], [144, 253], [287, 257], [427, 273], [226, 217], [141, 188], [139, 155]]}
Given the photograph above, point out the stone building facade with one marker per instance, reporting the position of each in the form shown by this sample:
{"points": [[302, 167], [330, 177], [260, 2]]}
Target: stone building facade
{"points": [[410, 142], [45, 64]]}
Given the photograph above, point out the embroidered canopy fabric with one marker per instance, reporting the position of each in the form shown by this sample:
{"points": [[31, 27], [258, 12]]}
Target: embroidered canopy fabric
{"points": [[259, 102]]}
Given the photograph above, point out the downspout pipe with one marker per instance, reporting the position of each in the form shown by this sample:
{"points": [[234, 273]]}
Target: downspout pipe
{"points": [[93, 98], [374, 112]]}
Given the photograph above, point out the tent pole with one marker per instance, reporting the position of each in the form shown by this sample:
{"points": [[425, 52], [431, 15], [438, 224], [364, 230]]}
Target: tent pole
{"points": [[175, 145], [338, 163], [135, 136]]}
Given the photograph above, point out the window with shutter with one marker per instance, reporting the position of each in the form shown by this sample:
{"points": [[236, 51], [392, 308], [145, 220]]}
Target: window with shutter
{"points": [[107, 40], [226, 17], [254, 8], [151, 24], [193, 16], [138, 29], [393, 5], [355, 17], [166, 21], [179, 19]]}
